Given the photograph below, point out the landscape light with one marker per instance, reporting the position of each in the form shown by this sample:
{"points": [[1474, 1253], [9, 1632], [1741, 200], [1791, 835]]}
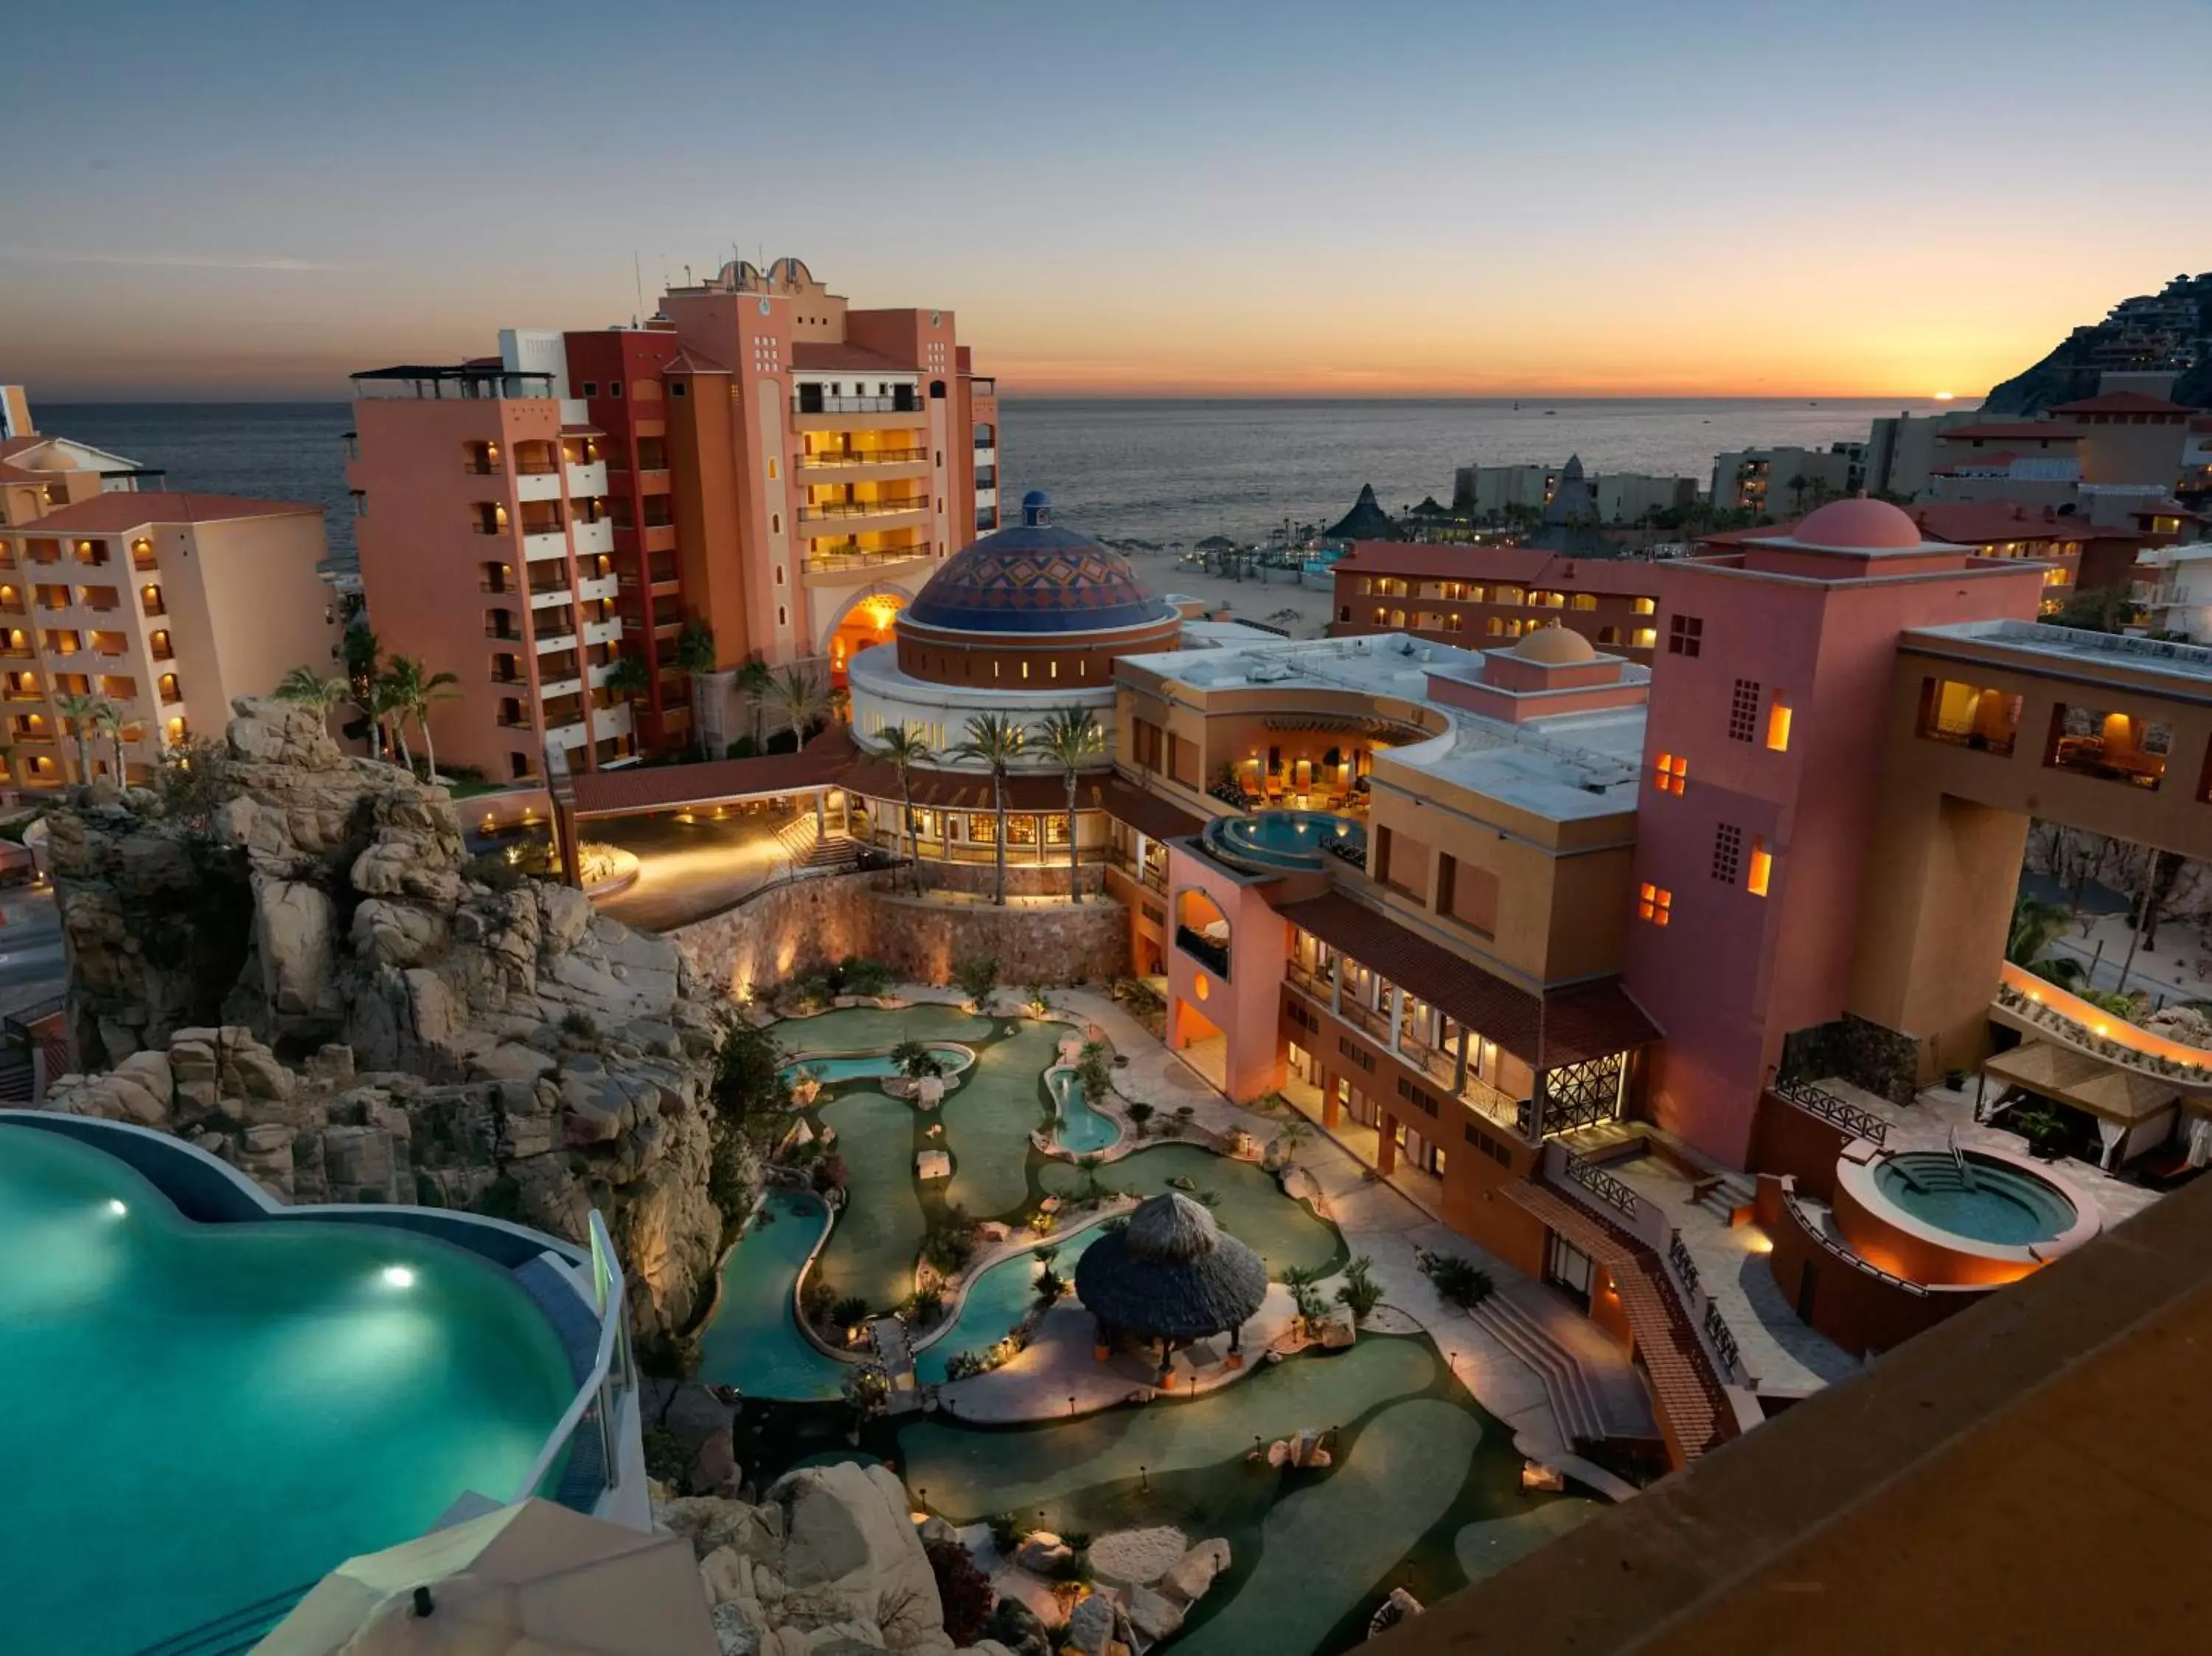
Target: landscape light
{"points": [[399, 1277]]}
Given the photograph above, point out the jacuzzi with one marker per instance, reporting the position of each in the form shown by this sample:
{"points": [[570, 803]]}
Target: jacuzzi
{"points": [[1966, 1218]]}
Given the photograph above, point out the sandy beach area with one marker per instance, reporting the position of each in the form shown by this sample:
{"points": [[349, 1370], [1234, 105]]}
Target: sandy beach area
{"points": [[1279, 600]]}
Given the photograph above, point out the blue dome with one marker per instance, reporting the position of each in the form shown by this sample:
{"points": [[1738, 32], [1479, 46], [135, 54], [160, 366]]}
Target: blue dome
{"points": [[1033, 577]]}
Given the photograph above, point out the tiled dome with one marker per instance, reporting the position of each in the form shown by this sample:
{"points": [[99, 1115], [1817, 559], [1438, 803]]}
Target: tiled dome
{"points": [[1035, 578]]}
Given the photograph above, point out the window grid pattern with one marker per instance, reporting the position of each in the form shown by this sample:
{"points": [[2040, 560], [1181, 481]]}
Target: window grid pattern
{"points": [[1743, 711], [1727, 852]]}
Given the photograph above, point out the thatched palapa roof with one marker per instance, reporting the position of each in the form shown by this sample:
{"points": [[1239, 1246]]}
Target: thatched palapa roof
{"points": [[1171, 1273]]}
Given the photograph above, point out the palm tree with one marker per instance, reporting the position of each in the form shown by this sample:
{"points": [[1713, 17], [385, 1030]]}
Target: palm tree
{"points": [[801, 697], [903, 746], [109, 723], [2035, 927], [415, 693], [755, 681], [387, 701], [304, 687], [628, 677], [76, 710], [1071, 738], [694, 656], [994, 741]]}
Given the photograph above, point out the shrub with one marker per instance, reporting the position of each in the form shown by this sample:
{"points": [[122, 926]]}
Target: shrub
{"points": [[926, 1308], [976, 975], [1091, 1072], [580, 1025], [1305, 1295], [856, 974], [829, 1175], [741, 748], [493, 872], [867, 1388], [1360, 1293], [915, 1060], [817, 1300], [1035, 1001], [1460, 1283], [1140, 1113], [1006, 1531], [666, 1458], [950, 1242], [962, 1590], [849, 1311]]}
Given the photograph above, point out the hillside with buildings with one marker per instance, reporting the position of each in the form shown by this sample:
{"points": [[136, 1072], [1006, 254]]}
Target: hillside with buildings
{"points": [[2168, 332]]}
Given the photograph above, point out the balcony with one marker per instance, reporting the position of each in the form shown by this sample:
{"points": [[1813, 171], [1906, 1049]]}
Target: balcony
{"points": [[906, 400], [575, 735], [544, 544], [843, 511], [550, 593], [594, 539], [599, 587], [541, 483], [862, 460], [1204, 949], [609, 631], [854, 561], [587, 478]]}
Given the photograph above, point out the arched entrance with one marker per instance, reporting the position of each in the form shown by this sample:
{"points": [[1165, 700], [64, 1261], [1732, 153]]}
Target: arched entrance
{"points": [[865, 623]]}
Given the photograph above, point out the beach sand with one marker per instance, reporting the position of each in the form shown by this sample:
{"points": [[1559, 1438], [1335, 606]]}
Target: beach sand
{"points": [[1245, 600]]}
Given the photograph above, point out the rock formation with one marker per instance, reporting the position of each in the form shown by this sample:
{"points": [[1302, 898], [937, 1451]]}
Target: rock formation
{"points": [[829, 1561], [289, 959]]}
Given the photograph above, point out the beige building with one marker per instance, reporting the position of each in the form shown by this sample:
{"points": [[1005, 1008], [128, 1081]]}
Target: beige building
{"points": [[1785, 482], [165, 607], [40, 473]]}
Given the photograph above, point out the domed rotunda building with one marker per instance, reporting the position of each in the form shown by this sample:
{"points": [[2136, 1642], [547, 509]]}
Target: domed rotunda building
{"points": [[1023, 623]]}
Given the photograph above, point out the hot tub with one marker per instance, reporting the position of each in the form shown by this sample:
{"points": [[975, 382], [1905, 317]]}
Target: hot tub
{"points": [[1973, 1216], [1284, 840]]}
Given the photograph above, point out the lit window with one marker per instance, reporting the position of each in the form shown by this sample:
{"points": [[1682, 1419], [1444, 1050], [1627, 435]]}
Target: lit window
{"points": [[1655, 903], [1645, 606], [1585, 601], [1777, 724], [1644, 638], [1762, 867], [771, 468], [1671, 774]]}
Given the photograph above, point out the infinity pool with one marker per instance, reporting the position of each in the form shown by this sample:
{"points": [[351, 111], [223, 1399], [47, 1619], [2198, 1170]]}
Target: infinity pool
{"points": [[199, 1416], [1284, 839]]}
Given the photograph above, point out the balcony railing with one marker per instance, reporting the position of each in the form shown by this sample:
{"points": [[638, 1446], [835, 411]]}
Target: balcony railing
{"points": [[1678, 1255], [905, 402], [1819, 1102], [887, 508], [1204, 949], [823, 563], [1615, 1193], [859, 460], [1717, 1330]]}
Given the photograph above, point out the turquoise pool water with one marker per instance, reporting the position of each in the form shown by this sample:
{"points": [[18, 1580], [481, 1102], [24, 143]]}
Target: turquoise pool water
{"points": [[1081, 1129], [2006, 1205], [871, 1066], [199, 1417], [753, 1341], [997, 1299], [1284, 839]]}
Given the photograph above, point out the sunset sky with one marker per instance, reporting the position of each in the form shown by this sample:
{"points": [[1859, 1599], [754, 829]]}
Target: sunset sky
{"points": [[232, 200]]}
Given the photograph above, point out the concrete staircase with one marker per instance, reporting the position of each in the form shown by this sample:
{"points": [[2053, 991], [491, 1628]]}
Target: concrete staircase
{"points": [[1723, 1194], [809, 848], [1573, 1403]]}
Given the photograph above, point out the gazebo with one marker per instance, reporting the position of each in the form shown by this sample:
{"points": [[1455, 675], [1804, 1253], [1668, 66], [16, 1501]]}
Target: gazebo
{"points": [[1167, 1277]]}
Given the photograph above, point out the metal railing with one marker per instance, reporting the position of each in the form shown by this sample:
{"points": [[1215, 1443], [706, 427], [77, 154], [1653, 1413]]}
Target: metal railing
{"points": [[885, 508], [1678, 1255], [908, 403], [1859, 1122], [1615, 1193], [592, 1389], [822, 562], [843, 461], [1722, 1336], [1204, 949]]}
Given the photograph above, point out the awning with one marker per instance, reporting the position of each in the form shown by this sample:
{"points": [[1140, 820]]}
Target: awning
{"points": [[823, 763], [2110, 1091], [1148, 813], [1572, 1025], [971, 790]]}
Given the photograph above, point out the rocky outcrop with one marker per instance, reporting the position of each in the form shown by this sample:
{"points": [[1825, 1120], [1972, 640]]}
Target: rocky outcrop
{"points": [[830, 1560], [292, 962]]}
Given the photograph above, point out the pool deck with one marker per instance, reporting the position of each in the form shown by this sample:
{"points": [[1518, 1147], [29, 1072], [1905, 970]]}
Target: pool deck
{"points": [[1377, 1220]]}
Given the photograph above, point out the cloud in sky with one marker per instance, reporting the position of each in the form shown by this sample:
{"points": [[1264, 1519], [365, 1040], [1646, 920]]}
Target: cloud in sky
{"points": [[170, 261]]}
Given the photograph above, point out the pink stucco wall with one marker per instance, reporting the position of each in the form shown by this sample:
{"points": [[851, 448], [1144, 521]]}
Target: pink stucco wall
{"points": [[1733, 972], [1248, 1008]]}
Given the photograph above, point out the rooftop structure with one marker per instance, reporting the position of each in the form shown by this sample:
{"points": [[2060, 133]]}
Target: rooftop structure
{"points": [[1479, 595], [41, 473]]}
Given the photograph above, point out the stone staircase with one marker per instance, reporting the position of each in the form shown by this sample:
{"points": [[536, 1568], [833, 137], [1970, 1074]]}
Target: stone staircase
{"points": [[1724, 1193], [809, 848], [1573, 1403]]}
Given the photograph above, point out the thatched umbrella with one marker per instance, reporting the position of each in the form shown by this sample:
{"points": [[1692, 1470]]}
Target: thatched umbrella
{"points": [[1170, 1275]]}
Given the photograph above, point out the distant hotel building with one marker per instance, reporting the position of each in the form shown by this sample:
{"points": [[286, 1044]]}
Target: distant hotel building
{"points": [[166, 607], [1786, 481], [1479, 596], [760, 458], [41, 473]]}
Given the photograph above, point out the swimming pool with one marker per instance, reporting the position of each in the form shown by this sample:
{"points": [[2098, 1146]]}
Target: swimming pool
{"points": [[232, 1409], [999, 1297], [870, 1066], [753, 1341], [1285, 838], [1994, 1203], [1080, 1128]]}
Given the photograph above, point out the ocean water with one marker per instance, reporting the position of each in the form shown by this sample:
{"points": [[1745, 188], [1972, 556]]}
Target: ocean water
{"points": [[1156, 469]]}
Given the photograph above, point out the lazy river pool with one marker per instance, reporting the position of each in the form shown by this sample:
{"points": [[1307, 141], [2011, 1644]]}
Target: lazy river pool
{"points": [[829, 1070], [232, 1409]]}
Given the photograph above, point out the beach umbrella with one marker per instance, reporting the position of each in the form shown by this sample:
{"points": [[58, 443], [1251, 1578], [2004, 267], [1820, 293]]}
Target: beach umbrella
{"points": [[529, 1579], [1171, 1273]]}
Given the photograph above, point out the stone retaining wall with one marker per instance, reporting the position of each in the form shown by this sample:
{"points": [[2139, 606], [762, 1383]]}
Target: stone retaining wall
{"points": [[813, 923]]}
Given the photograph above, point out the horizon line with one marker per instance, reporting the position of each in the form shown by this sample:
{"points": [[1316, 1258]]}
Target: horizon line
{"points": [[1962, 399]]}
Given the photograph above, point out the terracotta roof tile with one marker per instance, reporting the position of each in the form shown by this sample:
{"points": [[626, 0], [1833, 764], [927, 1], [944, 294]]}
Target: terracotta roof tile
{"points": [[1148, 813], [824, 761], [1574, 1024], [107, 514]]}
